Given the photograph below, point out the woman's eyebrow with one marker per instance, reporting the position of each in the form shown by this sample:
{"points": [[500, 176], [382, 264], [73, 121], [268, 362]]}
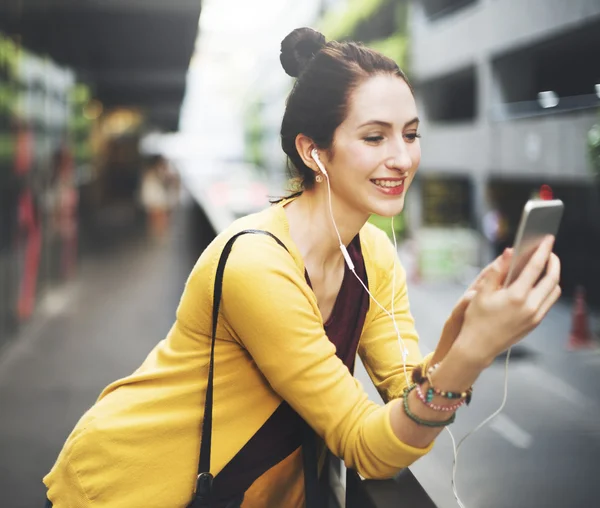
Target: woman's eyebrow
{"points": [[410, 122], [387, 124]]}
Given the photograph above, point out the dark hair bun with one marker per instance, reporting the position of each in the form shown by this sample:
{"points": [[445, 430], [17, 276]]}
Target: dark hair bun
{"points": [[298, 48]]}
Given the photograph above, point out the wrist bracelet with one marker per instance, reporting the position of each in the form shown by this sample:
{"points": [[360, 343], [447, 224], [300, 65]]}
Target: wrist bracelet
{"points": [[435, 407], [431, 391], [420, 421]]}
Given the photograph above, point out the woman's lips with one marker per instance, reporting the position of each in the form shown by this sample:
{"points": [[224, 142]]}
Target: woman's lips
{"points": [[389, 186]]}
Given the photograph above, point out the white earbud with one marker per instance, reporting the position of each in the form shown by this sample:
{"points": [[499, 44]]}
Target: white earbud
{"points": [[315, 156]]}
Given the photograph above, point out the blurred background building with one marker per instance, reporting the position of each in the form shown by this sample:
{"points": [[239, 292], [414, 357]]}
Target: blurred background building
{"points": [[509, 92], [80, 84]]}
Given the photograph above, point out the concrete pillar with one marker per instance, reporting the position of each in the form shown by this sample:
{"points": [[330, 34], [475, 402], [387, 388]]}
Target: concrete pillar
{"points": [[484, 100]]}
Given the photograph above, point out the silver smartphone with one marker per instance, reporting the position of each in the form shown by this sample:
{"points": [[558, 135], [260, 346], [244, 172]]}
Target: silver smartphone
{"points": [[539, 219]]}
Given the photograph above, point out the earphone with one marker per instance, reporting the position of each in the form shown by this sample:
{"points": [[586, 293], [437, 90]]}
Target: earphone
{"points": [[455, 447], [315, 156]]}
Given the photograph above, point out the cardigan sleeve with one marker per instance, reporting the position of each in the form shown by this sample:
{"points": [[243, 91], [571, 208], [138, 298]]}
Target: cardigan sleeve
{"points": [[379, 347], [273, 313]]}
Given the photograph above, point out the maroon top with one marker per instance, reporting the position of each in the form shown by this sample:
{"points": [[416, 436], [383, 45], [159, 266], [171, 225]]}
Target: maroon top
{"points": [[282, 433]]}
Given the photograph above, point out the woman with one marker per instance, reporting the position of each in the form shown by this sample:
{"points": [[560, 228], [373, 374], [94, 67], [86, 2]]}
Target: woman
{"points": [[291, 322]]}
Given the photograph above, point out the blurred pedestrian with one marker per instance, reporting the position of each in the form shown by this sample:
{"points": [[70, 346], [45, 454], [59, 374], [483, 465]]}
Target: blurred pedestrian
{"points": [[155, 198], [293, 315], [173, 185], [66, 202], [495, 229]]}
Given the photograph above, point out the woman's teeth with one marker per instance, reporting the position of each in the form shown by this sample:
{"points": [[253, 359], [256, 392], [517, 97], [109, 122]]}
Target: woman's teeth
{"points": [[388, 183]]}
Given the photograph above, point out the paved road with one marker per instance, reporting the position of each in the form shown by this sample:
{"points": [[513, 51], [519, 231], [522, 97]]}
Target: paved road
{"points": [[543, 449], [542, 452]]}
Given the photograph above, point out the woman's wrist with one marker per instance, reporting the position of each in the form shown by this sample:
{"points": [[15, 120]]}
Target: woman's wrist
{"points": [[466, 350], [460, 368]]}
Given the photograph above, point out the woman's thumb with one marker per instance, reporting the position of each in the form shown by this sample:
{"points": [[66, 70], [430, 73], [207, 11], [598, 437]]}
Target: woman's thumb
{"points": [[497, 272], [464, 302]]}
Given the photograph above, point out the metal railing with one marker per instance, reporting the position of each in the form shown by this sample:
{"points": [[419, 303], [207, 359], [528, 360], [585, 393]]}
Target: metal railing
{"points": [[403, 491], [529, 109]]}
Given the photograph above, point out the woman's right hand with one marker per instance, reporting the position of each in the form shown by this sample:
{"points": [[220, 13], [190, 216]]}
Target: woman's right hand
{"points": [[498, 317]]}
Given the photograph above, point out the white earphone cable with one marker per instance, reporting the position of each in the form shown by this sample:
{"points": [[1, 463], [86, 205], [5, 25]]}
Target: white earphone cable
{"points": [[331, 210], [352, 269], [455, 447]]}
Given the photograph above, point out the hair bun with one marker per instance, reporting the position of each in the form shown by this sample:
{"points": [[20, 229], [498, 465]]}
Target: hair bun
{"points": [[298, 48]]}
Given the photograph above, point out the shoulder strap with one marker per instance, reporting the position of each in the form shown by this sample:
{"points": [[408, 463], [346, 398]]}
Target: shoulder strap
{"points": [[205, 448], [205, 478]]}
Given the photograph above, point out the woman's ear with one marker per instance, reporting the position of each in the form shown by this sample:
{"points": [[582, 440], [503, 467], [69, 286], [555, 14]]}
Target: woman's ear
{"points": [[305, 146]]}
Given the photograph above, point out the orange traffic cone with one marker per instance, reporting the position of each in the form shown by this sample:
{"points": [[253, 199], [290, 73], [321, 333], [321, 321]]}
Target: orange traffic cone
{"points": [[581, 336]]}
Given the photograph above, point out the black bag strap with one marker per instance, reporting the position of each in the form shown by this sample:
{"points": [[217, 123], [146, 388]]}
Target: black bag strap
{"points": [[312, 499], [205, 478]]}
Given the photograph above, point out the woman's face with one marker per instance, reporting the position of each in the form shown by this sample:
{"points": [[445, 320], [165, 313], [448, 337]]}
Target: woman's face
{"points": [[376, 150]]}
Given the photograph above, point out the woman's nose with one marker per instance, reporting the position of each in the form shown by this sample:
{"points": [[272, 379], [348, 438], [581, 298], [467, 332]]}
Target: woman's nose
{"points": [[400, 160]]}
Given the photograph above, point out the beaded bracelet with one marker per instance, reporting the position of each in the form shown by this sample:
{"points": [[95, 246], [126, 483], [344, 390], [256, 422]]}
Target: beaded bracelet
{"points": [[431, 391], [420, 421], [435, 407]]}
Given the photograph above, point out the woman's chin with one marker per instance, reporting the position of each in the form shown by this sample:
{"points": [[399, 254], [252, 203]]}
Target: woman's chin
{"points": [[389, 207]]}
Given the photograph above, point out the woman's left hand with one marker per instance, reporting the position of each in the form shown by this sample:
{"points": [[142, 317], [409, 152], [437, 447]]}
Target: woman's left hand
{"points": [[456, 319]]}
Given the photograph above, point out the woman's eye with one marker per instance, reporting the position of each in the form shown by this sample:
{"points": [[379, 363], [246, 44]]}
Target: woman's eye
{"points": [[412, 136], [373, 139]]}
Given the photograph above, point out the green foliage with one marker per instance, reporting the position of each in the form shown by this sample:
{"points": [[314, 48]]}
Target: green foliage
{"points": [[254, 132], [343, 25], [385, 224], [8, 98], [80, 94], [338, 25], [7, 147], [394, 47], [9, 54]]}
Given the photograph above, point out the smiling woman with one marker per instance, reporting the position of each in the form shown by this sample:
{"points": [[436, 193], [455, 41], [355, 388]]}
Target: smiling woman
{"points": [[262, 353]]}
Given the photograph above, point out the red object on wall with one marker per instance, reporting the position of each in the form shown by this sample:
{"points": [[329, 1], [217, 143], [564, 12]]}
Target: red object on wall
{"points": [[28, 226], [546, 193]]}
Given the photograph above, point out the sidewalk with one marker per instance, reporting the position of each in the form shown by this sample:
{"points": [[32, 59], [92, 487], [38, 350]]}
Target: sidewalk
{"points": [[85, 335]]}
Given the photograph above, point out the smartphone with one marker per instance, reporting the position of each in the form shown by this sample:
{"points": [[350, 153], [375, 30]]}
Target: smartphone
{"points": [[539, 219]]}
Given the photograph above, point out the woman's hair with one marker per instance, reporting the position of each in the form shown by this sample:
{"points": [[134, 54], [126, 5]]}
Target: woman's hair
{"points": [[327, 72]]}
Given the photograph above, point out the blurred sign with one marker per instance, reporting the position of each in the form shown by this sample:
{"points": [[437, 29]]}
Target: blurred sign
{"points": [[446, 201]]}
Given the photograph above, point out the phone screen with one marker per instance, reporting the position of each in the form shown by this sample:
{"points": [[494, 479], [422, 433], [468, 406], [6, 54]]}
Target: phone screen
{"points": [[539, 219]]}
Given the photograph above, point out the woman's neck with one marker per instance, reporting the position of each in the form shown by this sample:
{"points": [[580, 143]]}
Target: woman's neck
{"points": [[312, 229]]}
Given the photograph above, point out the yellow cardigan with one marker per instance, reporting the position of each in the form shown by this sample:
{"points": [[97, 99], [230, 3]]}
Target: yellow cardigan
{"points": [[138, 445]]}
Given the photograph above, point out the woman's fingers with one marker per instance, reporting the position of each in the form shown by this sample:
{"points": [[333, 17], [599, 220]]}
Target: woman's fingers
{"points": [[463, 303], [547, 284], [547, 304], [504, 262], [495, 275], [501, 264], [533, 269]]}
